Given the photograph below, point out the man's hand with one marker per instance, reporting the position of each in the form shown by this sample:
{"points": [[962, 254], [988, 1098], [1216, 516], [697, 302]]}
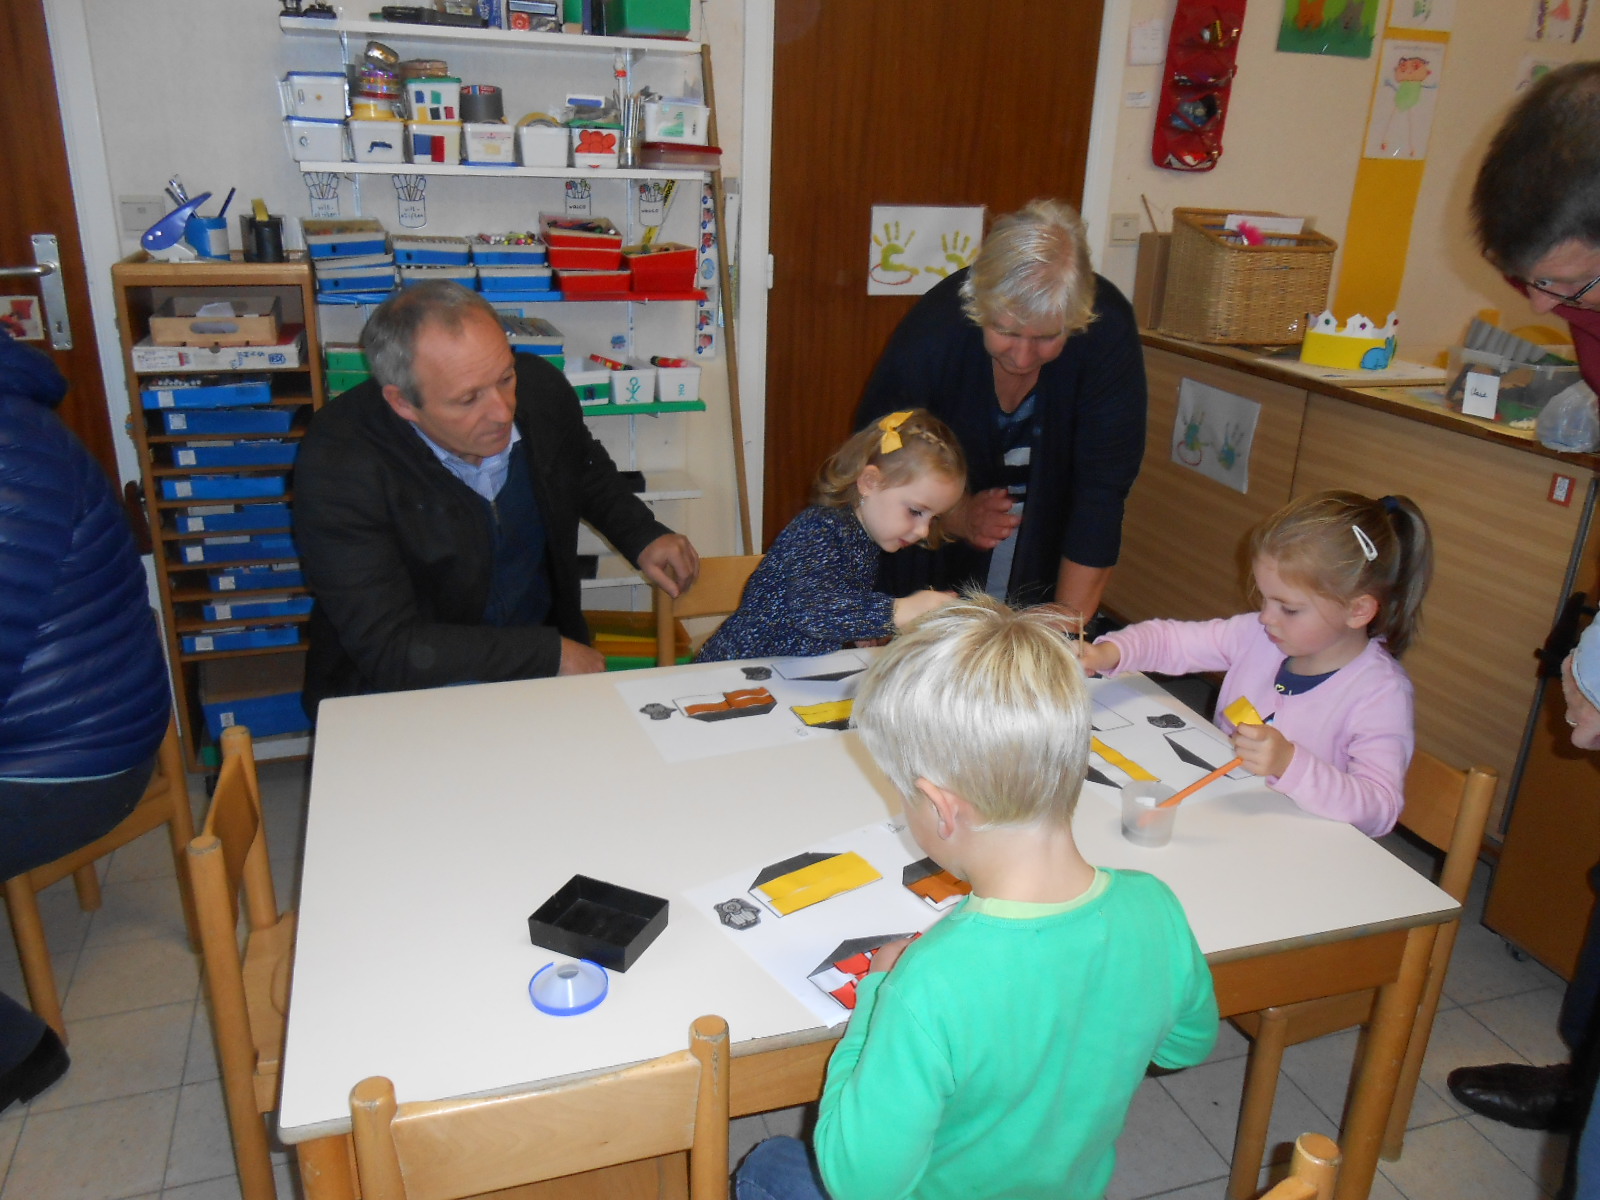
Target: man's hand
{"points": [[670, 563], [1262, 750], [984, 519], [578, 659]]}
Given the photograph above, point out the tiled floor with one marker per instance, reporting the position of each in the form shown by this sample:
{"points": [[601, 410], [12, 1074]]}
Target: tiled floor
{"points": [[140, 1113]]}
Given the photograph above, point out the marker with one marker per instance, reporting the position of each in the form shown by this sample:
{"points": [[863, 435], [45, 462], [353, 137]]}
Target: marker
{"points": [[657, 361], [609, 363]]}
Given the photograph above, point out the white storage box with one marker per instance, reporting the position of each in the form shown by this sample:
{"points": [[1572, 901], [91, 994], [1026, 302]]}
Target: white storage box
{"points": [[378, 141], [543, 145], [595, 147], [435, 98], [313, 140], [636, 385], [676, 121], [489, 142], [433, 142], [317, 94], [675, 384]]}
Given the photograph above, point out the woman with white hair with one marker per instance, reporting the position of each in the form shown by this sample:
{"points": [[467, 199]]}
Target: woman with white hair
{"points": [[1035, 362]]}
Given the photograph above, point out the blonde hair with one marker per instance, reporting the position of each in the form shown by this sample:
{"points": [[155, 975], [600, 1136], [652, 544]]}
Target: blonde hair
{"points": [[904, 446], [986, 701], [1342, 545], [1033, 269]]}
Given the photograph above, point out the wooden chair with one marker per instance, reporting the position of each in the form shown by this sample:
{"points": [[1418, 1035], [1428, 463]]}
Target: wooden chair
{"points": [[445, 1149], [715, 593], [165, 802], [1313, 1170], [249, 992], [1447, 808]]}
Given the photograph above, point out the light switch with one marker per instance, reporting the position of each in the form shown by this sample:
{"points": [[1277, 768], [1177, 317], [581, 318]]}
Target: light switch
{"points": [[1124, 229], [138, 213]]}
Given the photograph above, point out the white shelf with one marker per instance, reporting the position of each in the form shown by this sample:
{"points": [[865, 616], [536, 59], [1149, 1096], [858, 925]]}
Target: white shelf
{"points": [[670, 485], [357, 168], [515, 39]]}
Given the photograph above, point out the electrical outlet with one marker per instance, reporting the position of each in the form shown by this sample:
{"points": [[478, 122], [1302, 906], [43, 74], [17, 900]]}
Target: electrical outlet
{"points": [[138, 213], [1124, 229]]}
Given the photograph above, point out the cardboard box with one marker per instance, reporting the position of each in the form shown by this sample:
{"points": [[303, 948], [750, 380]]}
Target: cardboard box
{"points": [[256, 607], [208, 394], [241, 639], [216, 321], [257, 579], [602, 922], [1150, 278], [289, 352], [215, 518], [229, 420], [222, 487], [266, 452]]}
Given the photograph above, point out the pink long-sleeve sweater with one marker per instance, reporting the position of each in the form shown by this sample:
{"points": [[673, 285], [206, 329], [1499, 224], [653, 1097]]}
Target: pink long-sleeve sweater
{"points": [[1353, 733]]}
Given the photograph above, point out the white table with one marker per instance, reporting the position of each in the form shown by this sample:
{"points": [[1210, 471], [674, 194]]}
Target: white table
{"points": [[440, 819]]}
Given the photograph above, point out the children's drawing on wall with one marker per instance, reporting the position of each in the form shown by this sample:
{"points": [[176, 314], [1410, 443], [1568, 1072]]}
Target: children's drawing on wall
{"points": [[913, 246], [1558, 20], [323, 188], [1406, 89], [1341, 27], [19, 316], [1437, 15], [411, 200], [1213, 433]]}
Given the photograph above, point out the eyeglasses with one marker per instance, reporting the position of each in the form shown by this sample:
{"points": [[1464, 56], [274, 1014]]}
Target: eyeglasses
{"points": [[1564, 297]]}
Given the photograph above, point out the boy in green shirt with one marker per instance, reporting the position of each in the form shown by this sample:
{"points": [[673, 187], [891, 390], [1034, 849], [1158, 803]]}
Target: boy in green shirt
{"points": [[998, 1055]]}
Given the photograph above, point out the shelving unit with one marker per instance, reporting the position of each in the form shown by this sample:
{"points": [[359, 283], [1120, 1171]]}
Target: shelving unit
{"points": [[599, 58], [141, 287]]}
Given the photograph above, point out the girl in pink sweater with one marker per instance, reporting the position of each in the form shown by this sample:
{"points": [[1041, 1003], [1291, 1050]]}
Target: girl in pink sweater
{"points": [[1340, 580]]}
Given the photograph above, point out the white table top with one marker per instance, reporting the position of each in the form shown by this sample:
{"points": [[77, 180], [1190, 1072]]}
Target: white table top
{"points": [[439, 820]]}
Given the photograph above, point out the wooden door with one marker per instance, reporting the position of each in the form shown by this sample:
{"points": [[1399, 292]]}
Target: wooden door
{"points": [[39, 200], [897, 102]]}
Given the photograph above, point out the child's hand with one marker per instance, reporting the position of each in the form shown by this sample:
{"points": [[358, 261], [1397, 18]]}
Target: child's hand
{"points": [[889, 953], [908, 608], [1099, 658], [1262, 750]]}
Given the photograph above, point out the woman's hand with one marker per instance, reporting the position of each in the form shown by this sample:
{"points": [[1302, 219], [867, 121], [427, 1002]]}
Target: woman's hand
{"points": [[908, 608], [1262, 750], [984, 519]]}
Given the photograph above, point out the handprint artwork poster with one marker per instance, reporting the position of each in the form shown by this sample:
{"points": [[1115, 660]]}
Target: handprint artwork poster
{"points": [[912, 246], [1213, 432]]}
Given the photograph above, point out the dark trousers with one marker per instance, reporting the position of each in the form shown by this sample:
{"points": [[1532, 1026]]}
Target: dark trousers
{"points": [[39, 823]]}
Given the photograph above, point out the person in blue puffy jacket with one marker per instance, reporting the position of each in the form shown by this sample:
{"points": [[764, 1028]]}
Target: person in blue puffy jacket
{"points": [[84, 696]]}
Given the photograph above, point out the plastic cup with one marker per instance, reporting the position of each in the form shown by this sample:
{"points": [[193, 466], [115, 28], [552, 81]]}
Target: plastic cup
{"points": [[1144, 823], [567, 989], [208, 236]]}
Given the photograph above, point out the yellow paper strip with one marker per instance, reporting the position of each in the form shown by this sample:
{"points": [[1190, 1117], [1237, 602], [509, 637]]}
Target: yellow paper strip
{"points": [[1242, 712], [1118, 759], [809, 885]]}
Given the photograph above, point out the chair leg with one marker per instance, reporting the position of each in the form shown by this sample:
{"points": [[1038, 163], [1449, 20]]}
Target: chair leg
{"points": [[180, 832], [1255, 1108], [86, 880], [1405, 1088], [37, 973]]}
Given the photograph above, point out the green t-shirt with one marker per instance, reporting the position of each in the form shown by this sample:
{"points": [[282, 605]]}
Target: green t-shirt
{"points": [[1000, 1055]]}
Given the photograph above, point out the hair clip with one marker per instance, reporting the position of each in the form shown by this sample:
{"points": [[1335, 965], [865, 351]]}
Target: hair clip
{"points": [[1390, 504], [890, 442], [1368, 550]]}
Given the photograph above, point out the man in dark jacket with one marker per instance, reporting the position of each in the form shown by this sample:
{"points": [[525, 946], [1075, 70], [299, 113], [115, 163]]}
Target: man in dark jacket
{"points": [[84, 700], [437, 507]]}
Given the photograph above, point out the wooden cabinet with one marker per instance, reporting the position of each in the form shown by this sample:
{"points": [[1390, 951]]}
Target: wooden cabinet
{"points": [[194, 559], [1503, 548]]}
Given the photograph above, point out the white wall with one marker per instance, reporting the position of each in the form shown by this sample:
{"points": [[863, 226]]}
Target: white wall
{"points": [[1293, 142]]}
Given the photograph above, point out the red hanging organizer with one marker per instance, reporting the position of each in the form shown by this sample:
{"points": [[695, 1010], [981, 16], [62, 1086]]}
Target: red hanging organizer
{"points": [[1197, 83]]}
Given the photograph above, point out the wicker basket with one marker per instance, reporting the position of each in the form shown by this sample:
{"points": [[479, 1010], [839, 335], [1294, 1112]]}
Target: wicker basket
{"points": [[1219, 290]]}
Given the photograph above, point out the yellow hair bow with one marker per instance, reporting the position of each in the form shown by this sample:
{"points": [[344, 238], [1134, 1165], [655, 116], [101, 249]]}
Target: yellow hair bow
{"points": [[890, 442]]}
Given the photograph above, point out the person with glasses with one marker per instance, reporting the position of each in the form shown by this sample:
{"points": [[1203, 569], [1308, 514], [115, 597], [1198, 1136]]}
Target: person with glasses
{"points": [[1536, 209]]}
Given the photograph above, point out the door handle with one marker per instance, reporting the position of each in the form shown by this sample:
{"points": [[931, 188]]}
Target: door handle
{"points": [[46, 269]]}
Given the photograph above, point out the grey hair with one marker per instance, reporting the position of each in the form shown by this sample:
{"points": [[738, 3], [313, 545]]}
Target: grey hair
{"points": [[390, 338], [1033, 269], [986, 701]]}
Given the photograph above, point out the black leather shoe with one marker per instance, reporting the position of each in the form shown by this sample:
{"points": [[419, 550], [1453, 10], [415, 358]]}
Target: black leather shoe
{"points": [[46, 1063], [1520, 1095]]}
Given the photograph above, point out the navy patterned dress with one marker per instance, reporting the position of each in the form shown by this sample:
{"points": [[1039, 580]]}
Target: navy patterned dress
{"points": [[812, 594]]}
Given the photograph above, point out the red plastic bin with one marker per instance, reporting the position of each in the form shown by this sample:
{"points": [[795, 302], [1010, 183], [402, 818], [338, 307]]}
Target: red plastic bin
{"points": [[668, 267]]}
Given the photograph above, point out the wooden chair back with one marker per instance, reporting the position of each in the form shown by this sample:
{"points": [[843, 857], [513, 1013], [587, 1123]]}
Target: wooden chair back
{"points": [[1448, 808], [1313, 1170], [248, 991], [165, 802], [446, 1149], [716, 592]]}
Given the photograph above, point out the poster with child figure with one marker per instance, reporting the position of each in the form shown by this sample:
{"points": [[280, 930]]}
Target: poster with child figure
{"points": [[1403, 99]]}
